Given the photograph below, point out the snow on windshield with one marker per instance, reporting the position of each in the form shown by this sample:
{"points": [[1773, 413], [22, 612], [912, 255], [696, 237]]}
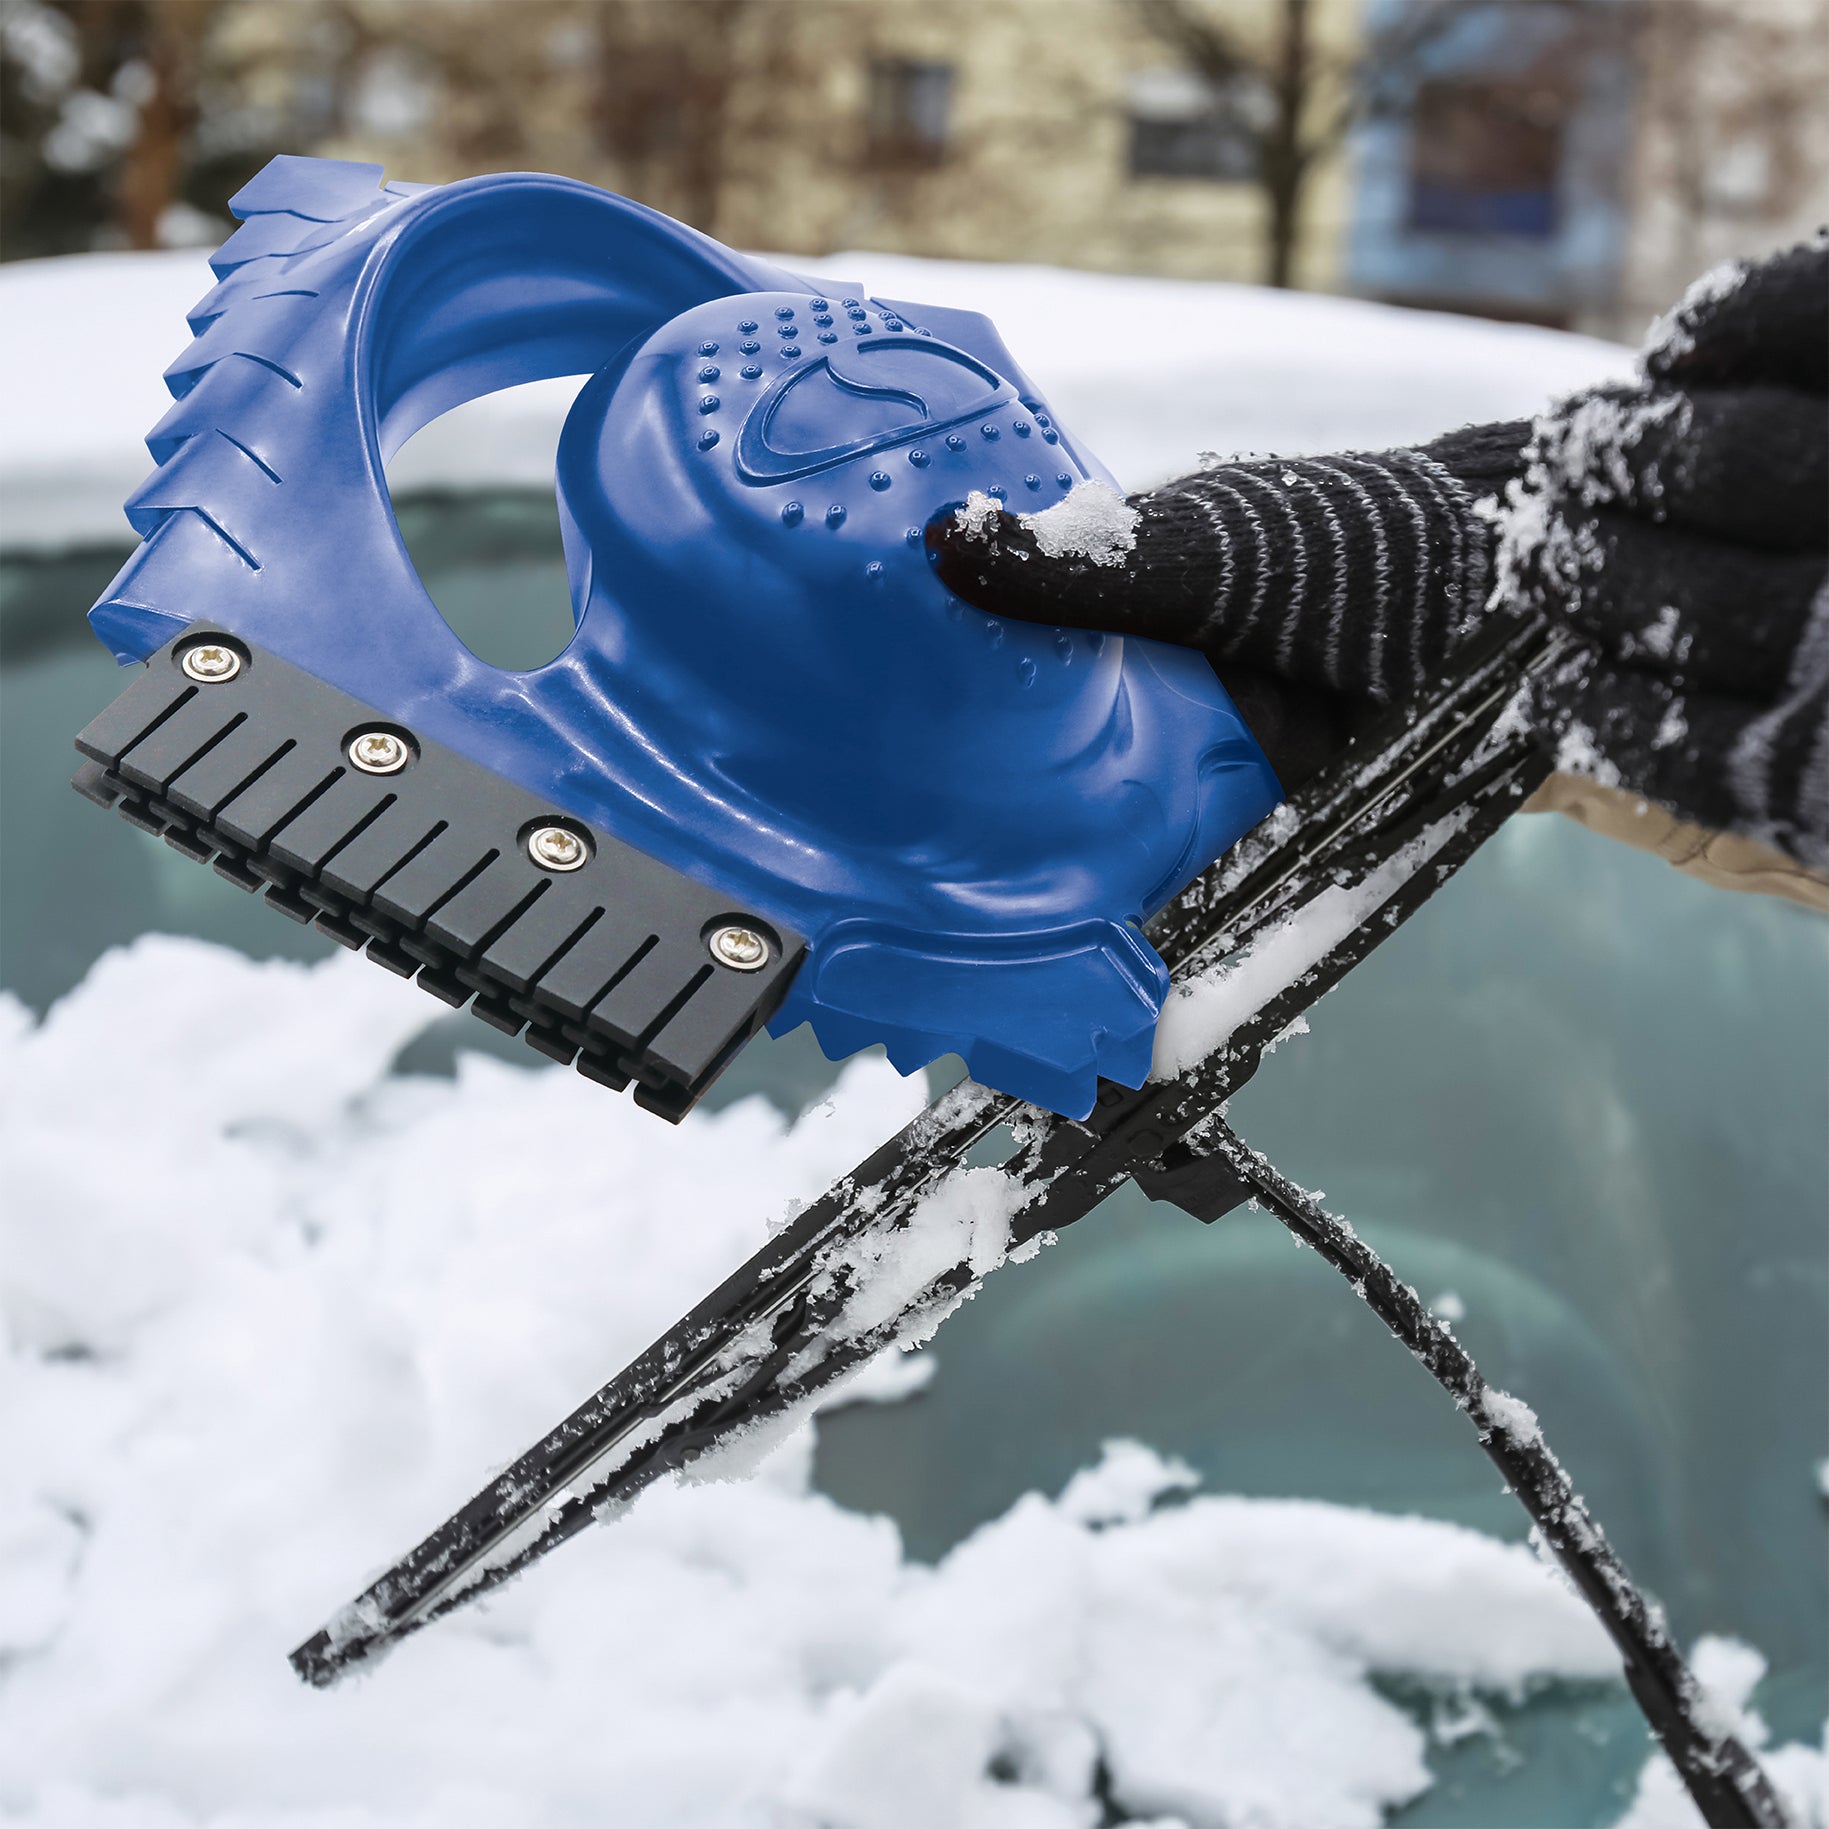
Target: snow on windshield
{"points": [[1149, 373], [271, 1313], [280, 1311]]}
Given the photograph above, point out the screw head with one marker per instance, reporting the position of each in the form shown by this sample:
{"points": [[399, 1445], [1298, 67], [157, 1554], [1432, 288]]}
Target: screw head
{"points": [[379, 752], [740, 948], [210, 663], [555, 848]]}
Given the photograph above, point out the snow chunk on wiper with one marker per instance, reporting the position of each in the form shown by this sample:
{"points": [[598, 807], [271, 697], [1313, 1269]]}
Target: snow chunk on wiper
{"points": [[1202, 1012]]}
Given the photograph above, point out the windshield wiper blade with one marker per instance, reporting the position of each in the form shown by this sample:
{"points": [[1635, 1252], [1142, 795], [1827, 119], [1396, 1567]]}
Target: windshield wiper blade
{"points": [[1390, 821]]}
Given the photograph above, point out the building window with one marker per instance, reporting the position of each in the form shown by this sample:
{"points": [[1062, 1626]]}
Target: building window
{"points": [[908, 118], [1485, 158], [1183, 127]]}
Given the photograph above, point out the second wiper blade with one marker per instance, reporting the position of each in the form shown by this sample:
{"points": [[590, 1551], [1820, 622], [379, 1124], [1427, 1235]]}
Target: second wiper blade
{"points": [[1374, 836]]}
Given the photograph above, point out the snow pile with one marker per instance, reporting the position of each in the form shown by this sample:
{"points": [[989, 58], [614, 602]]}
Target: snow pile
{"points": [[270, 1314], [977, 514], [84, 341], [1512, 1417], [1727, 1671], [1149, 373], [964, 1221], [1583, 448], [1093, 522], [1672, 334], [1580, 449]]}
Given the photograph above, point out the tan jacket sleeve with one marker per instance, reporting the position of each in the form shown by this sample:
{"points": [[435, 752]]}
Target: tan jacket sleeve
{"points": [[1721, 858]]}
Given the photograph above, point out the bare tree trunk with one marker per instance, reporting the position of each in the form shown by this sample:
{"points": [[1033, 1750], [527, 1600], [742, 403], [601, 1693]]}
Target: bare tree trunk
{"points": [[1283, 158], [153, 167], [715, 69]]}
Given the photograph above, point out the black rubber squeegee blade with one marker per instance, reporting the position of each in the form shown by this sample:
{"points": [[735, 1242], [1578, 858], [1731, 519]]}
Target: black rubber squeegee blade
{"points": [[591, 950]]}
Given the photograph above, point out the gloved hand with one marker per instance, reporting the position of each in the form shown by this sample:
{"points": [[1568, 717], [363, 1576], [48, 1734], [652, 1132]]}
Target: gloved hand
{"points": [[1679, 525]]}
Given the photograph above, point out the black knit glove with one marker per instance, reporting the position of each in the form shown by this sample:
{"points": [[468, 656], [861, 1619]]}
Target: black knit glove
{"points": [[1680, 526]]}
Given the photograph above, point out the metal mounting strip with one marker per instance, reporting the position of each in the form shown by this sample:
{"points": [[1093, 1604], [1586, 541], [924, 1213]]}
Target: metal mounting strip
{"points": [[597, 953]]}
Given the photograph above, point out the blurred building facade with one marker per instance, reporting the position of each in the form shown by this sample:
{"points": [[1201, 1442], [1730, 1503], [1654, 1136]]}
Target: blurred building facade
{"points": [[1060, 131], [1064, 131], [1578, 163], [1731, 152], [1568, 161], [1495, 178]]}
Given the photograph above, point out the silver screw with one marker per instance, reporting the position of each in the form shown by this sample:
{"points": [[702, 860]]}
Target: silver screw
{"points": [[741, 948], [209, 663], [554, 848], [379, 752]]}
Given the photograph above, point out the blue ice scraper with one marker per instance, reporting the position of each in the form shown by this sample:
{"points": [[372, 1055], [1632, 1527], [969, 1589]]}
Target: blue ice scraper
{"points": [[779, 775]]}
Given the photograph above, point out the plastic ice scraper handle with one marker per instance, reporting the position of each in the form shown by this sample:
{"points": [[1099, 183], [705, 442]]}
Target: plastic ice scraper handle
{"points": [[941, 831]]}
